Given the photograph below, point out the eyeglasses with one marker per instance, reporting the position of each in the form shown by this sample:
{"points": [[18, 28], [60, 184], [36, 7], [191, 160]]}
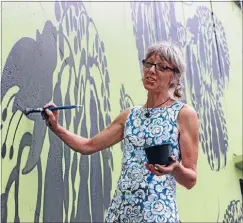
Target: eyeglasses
{"points": [[159, 67]]}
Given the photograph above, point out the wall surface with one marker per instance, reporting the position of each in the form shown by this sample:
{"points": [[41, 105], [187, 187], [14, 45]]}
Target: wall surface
{"points": [[89, 53]]}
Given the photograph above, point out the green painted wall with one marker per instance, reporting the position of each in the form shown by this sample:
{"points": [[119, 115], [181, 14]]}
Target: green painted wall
{"points": [[88, 53]]}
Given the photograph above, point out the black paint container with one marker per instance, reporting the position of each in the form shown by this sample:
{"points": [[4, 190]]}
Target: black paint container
{"points": [[159, 154]]}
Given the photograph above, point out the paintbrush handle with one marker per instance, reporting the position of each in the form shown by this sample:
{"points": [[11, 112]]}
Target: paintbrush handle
{"points": [[62, 107], [28, 111]]}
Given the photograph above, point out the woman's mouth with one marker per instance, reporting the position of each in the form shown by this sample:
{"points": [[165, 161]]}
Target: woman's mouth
{"points": [[150, 79]]}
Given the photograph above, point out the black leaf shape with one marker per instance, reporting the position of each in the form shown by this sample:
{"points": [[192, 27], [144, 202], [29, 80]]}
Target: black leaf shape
{"points": [[11, 152], [96, 43], [61, 42], [4, 114], [83, 25], [68, 112], [80, 26], [4, 150], [103, 67], [74, 169], [67, 25], [105, 104], [105, 61], [75, 25], [100, 55], [64, 5], [102, 46], [79, 39], [107, 119], [57, 11], [109, 105], [121, 103], [76, 8], [75, 45], [101, 122], [102, 89], [71, 19]]}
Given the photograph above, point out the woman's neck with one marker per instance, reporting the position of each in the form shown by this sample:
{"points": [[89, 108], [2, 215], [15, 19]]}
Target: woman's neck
{"points": [[155, 99]]}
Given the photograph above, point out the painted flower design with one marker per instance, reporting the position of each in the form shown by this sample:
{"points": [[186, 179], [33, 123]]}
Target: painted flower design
{"points": [[156, 131], [129, 130], [136, 113], [135, 131], [129, 146], [166, 130], [149, 141], [170, 112], [155, 209], [136, 175], [157, 121], [133, 212], [136, 141], [137, 122], [141, 134], [140, 155], [140, 194], [158, 140]]}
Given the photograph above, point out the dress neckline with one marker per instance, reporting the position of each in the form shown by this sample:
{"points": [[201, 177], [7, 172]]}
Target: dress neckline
{"points": [[168, 106]]}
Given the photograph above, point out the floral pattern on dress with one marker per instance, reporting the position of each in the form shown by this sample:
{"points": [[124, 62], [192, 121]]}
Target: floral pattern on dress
{"points": [[141, 196]]}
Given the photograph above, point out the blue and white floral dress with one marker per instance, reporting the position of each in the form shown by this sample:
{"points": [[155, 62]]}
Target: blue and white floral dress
{"points": [[141, 196]]}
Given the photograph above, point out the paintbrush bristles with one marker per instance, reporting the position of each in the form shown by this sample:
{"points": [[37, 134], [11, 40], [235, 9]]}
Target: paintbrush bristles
{"points": [[31, 110]]}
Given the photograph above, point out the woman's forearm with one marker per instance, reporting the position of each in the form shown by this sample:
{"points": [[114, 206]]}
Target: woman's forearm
{"points": [[185, 176], [75, 142]]}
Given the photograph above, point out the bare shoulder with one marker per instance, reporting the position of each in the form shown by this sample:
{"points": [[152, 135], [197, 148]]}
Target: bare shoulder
{"points": [[122, 117], [187, 115]]}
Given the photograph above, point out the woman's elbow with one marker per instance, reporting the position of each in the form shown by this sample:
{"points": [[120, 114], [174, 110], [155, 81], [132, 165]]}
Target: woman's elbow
{"points": [[192, 183], [85, 148], [85, 151]]}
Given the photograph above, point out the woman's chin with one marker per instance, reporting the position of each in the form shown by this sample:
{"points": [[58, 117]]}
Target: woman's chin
{"points": [[150, 87]]}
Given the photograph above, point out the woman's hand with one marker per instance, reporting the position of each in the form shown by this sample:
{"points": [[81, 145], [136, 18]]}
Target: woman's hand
{"points": [[160, 170], [51, 117]]}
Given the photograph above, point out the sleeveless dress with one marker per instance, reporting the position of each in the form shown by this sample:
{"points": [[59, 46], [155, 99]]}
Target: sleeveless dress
{"points": [[141, 196]]}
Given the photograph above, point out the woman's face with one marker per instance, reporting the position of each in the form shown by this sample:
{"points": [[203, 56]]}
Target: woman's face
{"points": [[158, 74]]}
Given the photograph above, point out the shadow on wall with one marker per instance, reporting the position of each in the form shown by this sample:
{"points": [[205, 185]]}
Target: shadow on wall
{"points": [[207, 61], [67, 52]]}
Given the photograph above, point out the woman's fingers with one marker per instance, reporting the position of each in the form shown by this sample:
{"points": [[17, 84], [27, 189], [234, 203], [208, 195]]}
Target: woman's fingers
{"points": [[50, 104], [153, 169], [49, 113]]}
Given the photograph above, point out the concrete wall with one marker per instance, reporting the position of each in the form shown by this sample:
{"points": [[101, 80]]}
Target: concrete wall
{"points": [[89, 54]]}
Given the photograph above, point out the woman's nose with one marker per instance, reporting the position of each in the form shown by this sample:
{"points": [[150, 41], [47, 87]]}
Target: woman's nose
{"points": [[152, 69]]}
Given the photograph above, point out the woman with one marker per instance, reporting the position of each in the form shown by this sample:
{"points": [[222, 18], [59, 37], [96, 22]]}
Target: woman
{"points": [[145, 192]]}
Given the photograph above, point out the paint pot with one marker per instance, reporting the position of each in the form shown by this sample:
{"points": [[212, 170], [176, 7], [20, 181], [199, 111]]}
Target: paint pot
{"points": [[159, 154]]}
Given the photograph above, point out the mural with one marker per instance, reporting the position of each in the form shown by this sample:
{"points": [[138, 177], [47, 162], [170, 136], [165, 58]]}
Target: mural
{"points": [[67, 63], [125, 102], [234, 212], [70, 53], [208, 59], [204, 40]]}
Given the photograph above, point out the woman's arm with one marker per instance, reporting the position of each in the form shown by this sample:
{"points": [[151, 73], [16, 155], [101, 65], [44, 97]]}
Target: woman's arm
{"points": [[106, 138], [186, 174]]}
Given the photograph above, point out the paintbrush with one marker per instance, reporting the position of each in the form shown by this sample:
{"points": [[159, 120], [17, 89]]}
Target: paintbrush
{"points": [[28, 111]]}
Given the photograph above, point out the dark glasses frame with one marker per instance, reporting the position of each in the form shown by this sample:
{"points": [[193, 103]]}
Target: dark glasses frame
{"points": [[159, 68]]}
